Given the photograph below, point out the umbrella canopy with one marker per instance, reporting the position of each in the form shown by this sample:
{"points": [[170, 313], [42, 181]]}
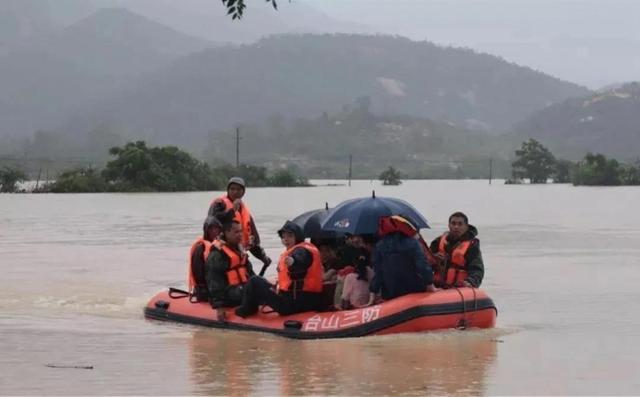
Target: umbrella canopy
{"points": [[361, 215], [311, 222]]}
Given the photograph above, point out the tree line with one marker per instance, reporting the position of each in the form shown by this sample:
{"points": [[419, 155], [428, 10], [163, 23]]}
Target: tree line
{"points": [[536, 163], [136, 167]]}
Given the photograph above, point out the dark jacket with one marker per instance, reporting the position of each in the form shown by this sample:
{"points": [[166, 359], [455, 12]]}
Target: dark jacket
{"points": [[473, 257], [302, 260], [219, 210], [400, 267], [220, 292], [198, 270]]}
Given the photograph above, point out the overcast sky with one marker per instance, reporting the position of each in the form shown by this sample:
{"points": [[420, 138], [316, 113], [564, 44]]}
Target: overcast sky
{"points": [[591, 42]]}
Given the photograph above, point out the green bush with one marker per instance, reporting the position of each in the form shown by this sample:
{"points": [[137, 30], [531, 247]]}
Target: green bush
{"points": [[9, 178], [80, 180]]}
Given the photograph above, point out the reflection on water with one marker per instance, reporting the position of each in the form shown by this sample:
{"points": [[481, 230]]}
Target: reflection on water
{"points": [[444, 363]]}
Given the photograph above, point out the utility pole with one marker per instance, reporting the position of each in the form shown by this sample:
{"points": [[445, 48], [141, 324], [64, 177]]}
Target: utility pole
{"points": [[237, 147], [350, 168], [490, 170]]}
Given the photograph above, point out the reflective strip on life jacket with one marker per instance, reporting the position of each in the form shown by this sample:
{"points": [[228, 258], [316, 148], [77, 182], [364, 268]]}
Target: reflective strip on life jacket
{"points": [[312, 280], [242, 216], [191, 280], [456, 271]]}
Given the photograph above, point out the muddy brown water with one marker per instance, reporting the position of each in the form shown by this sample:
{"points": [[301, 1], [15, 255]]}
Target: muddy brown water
{"points": [[561, 265]]}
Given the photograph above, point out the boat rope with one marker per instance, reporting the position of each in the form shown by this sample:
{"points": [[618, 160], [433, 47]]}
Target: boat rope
{"points": [[175, 293], [462, 324]]}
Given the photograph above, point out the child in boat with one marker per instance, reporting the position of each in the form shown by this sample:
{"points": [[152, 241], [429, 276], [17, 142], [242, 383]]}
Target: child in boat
{"points": [[357, 257], [355, 292]]}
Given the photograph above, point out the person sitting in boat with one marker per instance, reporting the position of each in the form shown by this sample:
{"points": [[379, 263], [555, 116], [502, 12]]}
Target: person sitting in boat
{"points": [[196, 280], [458, 254], [355, 254], [227, 269], [400, 267], [355, 286], [299, 286], [231, 206], [328, 249]]}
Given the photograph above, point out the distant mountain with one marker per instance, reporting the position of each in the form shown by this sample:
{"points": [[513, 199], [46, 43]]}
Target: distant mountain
{"points": [[208, 19], [607, 122], [305, 75], [47, 77], [22, 20]]}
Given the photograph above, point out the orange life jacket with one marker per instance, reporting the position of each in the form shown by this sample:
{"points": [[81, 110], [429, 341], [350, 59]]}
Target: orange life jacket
{"points": [[238, 272], [456, 269], [312, 280], [191, 280], [242, 216]]}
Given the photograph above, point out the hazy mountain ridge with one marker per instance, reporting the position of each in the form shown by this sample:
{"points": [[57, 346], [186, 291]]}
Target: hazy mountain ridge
{"points": [[47, 77], [606, 122], [305, 75]]}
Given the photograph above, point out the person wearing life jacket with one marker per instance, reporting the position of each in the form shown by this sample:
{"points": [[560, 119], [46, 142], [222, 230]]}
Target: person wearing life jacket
{"points": [[299, 287], [231, 206], [400, 266], [458, 253], [227, 268], [196, 270]]}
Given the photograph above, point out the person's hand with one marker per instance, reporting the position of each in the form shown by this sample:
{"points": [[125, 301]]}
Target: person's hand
{"points": [[431, 288], [372, 299], [289, 261], [439, 256], [236, 204], [266, 260], [222, 314]]}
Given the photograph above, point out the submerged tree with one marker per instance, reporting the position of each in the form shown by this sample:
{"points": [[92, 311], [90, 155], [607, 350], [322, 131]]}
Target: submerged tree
{"points": [[167, 168], [534, 161], [390, 176], [562, 172], [80, 180], [630, 174], [9, 178], [597, 170]]}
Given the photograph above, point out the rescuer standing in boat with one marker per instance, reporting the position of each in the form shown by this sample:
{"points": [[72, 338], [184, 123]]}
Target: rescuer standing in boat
{"points": [[231, 207]]}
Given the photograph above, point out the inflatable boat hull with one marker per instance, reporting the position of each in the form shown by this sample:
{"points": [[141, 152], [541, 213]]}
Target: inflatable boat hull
{"points": [[444, 309]]}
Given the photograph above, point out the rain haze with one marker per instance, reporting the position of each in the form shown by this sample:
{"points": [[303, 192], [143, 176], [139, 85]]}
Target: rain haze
{"points": [[133, 133]]}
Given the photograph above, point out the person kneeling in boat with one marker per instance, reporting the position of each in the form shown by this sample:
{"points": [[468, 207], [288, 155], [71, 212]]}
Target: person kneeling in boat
{"points": [[227, 269], [400, 267], [299, 278], [458, 254], [198, 256]]}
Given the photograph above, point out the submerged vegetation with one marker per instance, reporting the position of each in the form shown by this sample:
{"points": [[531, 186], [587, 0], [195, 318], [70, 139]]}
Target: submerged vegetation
{"points": [[139, 168], [9, 178], [536, 163], [391, 176]]}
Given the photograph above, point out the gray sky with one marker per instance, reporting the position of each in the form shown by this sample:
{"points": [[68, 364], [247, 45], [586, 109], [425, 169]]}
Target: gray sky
{"points": [[591, 42]]}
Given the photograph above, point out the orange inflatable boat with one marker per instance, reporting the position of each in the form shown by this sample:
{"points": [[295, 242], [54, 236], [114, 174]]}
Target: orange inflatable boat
{"points": [[451, 308]]}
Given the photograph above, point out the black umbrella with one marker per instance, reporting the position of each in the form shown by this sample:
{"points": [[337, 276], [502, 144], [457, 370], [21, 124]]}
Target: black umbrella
{"points": [[311, 222], [361, 215]]}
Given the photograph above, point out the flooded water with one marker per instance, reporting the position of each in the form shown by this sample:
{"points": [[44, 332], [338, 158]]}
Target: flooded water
{"points": [[561, 265]]}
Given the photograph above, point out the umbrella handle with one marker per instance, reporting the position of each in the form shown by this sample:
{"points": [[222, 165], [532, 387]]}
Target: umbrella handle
{"points": [[263, 270]]}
